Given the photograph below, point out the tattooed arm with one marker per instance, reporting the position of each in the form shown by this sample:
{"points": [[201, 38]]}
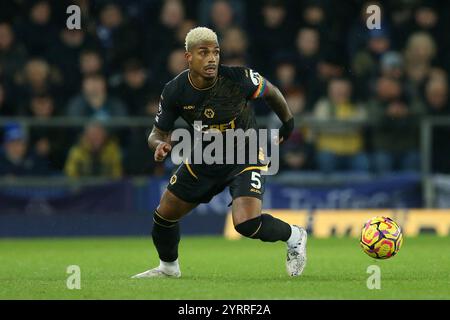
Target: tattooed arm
{"points": [[159, 142]]}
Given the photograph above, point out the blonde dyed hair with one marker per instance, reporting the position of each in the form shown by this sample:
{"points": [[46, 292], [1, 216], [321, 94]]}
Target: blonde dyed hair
{"points": [[198, 35]]}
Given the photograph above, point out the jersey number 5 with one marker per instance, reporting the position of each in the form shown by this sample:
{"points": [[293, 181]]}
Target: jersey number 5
{"points": [[256, 180]]}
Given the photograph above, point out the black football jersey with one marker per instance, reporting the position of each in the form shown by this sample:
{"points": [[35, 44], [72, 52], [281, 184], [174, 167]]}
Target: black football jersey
{"points": [[222, 106]]}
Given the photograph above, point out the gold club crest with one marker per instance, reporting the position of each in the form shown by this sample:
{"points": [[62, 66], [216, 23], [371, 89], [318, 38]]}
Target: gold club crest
{"points": [[173, 179], [209, 113]]}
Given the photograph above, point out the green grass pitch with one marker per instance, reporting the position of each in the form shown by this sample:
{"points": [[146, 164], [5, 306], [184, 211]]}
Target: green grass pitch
{"points": [[215, 268]]}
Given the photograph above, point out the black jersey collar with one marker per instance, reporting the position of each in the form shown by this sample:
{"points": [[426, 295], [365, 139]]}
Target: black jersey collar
{"points": [[201, 89]]}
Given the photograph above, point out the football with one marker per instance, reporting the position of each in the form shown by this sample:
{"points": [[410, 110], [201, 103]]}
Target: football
{"points": [[381, 238]]}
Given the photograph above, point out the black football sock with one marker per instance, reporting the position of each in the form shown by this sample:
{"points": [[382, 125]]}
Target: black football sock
{"points": [[166, 236], [266, 228]]}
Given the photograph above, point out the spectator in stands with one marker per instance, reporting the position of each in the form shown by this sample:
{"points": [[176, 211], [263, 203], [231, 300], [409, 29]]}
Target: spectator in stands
{"points": [[234, 47], [95, 102], [419, 53], [436, 93], [46, 142], [134, 86], [308, 53], [38, 31], [314, 16], [117, 36], [329, 66], [274, 35], [96, 154], [90, 62], [295, 99], [37, 78], [358, 33], [222, 16], [176, 63], [391, 65], [172, 16], [12, 53], [437, 73], [165, 37], [342, 147], [395, 134], [297, 154], [286, 76], [40, 106], [438, 105], [426, 19], [15, 158], [64, 54], [182, 30], [365, 64]]}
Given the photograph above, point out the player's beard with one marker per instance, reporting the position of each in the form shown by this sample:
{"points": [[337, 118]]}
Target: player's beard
{"points": [[210, 72]]}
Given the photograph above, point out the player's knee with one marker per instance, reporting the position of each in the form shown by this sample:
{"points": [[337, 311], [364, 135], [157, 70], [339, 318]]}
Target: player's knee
{"points": [[249, 228]]}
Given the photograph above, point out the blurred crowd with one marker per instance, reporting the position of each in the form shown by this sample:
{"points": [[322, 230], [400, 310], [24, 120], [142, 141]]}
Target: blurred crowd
{"points": [[320, 54]]}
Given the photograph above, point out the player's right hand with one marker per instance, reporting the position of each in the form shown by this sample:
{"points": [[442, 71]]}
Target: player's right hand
{"points": [[162, 150]]}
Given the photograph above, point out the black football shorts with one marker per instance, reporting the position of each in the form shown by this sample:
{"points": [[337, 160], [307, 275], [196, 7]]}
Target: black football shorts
{"points": [[199, 184]]}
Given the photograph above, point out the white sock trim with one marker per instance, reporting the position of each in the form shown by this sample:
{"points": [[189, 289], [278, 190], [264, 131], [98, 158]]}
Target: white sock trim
{"points": [[295, 236], [173, 266]]}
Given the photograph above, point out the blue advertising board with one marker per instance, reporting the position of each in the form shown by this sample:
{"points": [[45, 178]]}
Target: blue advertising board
{"points": [[125, 208]]}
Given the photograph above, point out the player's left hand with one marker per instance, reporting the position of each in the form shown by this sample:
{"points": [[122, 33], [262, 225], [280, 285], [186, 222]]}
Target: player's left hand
{"points": [[285, 130]]}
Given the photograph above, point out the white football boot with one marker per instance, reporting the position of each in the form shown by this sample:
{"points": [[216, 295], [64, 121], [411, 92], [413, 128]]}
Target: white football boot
{"points": [[296, 252], [164, 270]]}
